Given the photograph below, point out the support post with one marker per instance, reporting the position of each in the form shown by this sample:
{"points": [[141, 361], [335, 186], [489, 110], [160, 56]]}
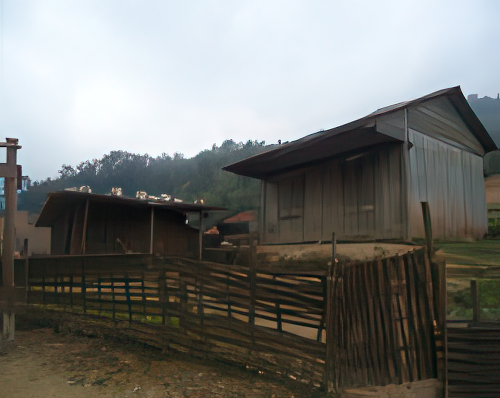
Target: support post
{"points": [[8, 245], [151, 241], [428, 229], [476, 309], [200, 236], [329, 372], [253, 287], [26, 266], [84, 233]]}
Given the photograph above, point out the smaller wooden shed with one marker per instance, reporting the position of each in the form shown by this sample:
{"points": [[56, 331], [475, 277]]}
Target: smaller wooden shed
{"points": [[86, 223]]}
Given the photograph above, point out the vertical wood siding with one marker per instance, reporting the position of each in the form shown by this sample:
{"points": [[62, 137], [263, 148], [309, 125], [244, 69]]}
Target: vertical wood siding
{"points": [[439, 119], [451, 180], [355, 198]]}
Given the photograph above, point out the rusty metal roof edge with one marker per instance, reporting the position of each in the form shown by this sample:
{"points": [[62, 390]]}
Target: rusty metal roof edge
{"points": [[456, 97], [179, 207]]}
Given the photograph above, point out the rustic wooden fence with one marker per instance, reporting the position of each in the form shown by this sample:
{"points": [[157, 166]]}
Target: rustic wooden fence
{"points": [[357, 324], [382, 322], [474, 344]]}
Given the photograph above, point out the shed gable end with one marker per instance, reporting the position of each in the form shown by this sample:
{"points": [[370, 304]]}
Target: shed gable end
{"points": [[439, 119]]}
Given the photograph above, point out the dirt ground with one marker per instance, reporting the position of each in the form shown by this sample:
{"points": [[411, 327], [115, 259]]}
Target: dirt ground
{"points": [[42, 363]]}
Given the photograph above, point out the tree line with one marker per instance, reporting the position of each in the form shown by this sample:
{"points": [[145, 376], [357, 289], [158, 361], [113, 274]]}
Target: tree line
{"points": [[189, 179]]}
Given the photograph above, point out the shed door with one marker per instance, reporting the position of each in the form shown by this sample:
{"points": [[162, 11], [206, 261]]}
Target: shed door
{"points": [[291, 209]]}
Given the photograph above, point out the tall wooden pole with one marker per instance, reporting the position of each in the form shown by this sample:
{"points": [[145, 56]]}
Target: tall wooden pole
{"points": [[151, 235], [8, 244], [84, 230], [200, 236]]}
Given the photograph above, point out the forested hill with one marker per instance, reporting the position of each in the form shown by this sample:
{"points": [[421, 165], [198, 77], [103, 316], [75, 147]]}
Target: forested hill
{"points": [[488, 111], [199, 177]]}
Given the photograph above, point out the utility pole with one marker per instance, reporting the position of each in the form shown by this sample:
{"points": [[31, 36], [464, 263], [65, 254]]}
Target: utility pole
{"points": [[9, 296]]}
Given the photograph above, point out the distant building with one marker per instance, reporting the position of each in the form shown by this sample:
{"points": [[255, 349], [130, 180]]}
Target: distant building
{"points": [[241, 223], [24, 187], [38, 238]]}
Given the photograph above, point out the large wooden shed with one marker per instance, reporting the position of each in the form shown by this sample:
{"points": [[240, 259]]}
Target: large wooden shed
{"points": [[367, 179], [86, 223]]}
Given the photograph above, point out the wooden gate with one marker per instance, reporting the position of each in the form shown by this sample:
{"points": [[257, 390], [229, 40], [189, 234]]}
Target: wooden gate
{"points": [[380, 322]]}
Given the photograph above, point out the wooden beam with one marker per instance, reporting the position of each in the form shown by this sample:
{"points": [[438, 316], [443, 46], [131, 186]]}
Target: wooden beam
{"points": [[151, 235], [200, 236], [476, 308], [84, 233]]}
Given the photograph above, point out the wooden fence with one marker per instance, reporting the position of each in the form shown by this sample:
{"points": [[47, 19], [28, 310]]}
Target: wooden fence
{"points": [[357, 324], [474, 344], [474, 360]]}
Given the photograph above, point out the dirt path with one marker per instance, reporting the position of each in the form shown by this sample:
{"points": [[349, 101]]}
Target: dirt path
{"points": [[42, 364]]}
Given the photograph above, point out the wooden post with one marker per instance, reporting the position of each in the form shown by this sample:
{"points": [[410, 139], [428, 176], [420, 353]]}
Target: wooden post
{"points": [[428, 229], [162, 290], [329, 381], [200, 236], [99, 293], [278, 317], [406, 177], [151, 241], [84, 232], [26, 267], [127, 294], [183, 302], [201, 311], [84, 288], [111, 277], [229, 314], [476, 308], [443, 310], [43, 282], [71, 291], [253, 286], [9, 238]]}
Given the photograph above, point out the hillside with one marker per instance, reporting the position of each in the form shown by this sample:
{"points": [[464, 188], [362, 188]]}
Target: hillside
{"points": [[190, 179], [488, 111]]}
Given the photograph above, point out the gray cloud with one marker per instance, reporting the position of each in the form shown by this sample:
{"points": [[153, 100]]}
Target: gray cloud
{"points": [[82, 78]]}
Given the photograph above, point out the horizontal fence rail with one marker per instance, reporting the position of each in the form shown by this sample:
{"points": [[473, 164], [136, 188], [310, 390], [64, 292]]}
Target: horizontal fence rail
{"points": [[474, 361], [376, 316]]}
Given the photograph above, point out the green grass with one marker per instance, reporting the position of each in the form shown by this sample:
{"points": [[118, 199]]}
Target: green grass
{"points": [[480, 253], [483, 252]]}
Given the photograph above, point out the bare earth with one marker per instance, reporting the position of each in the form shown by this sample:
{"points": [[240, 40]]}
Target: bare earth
{"points": [[42, 364]]}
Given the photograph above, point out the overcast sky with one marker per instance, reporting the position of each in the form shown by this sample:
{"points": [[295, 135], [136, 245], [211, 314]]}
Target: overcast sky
{"points": [[82, 78]]}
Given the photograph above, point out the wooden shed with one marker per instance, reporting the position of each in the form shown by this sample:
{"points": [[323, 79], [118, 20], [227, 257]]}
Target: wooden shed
{"points": [[367, 179], [86, 223]]}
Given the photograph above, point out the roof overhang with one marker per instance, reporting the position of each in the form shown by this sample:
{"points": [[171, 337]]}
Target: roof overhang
{"points": [[58, 201], [352, 137], [312, 149]]}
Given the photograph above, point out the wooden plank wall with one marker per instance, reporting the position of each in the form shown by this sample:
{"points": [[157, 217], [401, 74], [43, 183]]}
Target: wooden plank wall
{"points": [[359, 198], [380, 318], [451, 181]]}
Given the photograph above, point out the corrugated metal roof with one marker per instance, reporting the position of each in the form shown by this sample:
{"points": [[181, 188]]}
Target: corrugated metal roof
{"points": [[57, 201], [244, 216], [349, 138]]}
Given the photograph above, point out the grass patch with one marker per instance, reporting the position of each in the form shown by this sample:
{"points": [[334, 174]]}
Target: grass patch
{"points": [[460, 300], [483, 252]]}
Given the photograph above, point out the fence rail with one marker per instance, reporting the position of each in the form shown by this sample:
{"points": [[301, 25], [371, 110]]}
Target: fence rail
{"points": [[358, 324]]}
